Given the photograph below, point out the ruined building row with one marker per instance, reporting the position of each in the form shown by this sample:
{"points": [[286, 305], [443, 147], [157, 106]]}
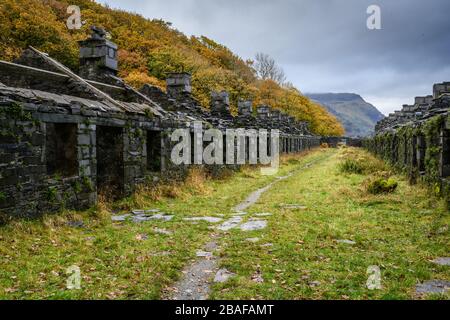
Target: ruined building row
{"points": [[416, 139], [66, 137]]}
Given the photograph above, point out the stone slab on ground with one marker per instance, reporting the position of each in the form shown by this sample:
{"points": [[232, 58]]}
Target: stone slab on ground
{"points": [[240, 213], [159, 216], [143, 212], [162, 231], [207, 219], [142, 236], [294, 206], [75, 224], [230, 223], [223, 275], [433, 286], [264, 214], [257, 277], [120, 218], [443, 261], [253, 225], [204, 254], [267, 245], [211, 246], [345, 241], [161, 254]]}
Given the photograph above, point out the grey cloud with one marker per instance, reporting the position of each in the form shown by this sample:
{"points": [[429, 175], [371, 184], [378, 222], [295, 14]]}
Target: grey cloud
{"points": [[324, 45]]}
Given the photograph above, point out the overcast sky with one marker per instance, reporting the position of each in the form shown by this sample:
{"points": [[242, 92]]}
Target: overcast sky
{"points": [[325, 45]]}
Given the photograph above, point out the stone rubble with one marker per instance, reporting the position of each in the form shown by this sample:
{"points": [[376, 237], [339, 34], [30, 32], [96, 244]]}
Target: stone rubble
{"points": [[433, 286], [223, 275], [263, 214], [204, 254], [230, 223], [344, 241], [294, 206], [120, 218], [162, 231], [444, 261], [207, 219]]}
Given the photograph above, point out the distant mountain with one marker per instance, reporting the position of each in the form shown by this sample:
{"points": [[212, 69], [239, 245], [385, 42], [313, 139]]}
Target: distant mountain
{"points": [[356, 115]]}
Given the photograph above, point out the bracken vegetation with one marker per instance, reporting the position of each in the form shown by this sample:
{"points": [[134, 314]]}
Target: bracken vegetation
{"points": [[149, 49]]}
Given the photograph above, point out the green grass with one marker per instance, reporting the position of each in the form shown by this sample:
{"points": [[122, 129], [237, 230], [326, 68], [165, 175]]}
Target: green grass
{"points": [[399, 232], [34, 255]]}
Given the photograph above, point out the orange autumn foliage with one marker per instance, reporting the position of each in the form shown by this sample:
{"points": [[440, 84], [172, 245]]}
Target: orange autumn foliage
{"points": [[149, 49]]}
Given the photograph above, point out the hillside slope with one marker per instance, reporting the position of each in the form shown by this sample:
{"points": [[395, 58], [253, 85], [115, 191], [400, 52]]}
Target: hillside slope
{"points": [[358, 116], [149, 49]]}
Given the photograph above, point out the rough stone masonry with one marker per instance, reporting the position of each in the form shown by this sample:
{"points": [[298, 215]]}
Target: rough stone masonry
{"points": [[416, 139], [66, 137]]}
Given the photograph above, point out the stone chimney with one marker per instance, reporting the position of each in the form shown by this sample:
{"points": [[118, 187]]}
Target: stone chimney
{"points": [[275, 115], [440, 88], [285, 117], [419, 100], [263, 112], [423, 100], [408, 108], [298, 125], [178, 84], [220, 104], [245, 108], [98, 57]]}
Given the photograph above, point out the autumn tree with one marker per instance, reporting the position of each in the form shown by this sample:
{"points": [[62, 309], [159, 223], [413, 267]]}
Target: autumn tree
{"points": [[149, 49], [267, 68]]}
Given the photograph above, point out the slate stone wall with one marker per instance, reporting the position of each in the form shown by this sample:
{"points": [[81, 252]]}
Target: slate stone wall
{"points": [[64, 139], [29, 182], [26, 188], [416, 141]]}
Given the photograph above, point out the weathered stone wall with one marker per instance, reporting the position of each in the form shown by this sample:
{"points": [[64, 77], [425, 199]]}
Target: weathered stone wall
{"points": [[33, 182], [110, 149], [416, 141], [26, 188], [64, 139]]}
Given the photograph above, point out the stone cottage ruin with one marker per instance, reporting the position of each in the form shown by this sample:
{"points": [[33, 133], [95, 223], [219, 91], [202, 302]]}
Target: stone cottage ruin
{"points": [[416, 139], [66, 137]]}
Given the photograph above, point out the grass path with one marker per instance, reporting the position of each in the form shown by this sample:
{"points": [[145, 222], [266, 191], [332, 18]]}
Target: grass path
{"points": [[196, 281], [300, 256], [400, 233], [115, 259]]}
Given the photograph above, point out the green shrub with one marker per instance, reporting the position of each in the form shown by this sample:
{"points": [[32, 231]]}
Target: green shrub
{"points": [[351, 166], [52, 193], [381, 185]]}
